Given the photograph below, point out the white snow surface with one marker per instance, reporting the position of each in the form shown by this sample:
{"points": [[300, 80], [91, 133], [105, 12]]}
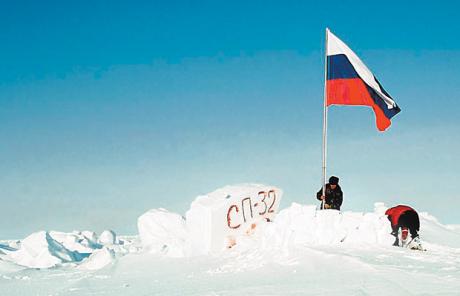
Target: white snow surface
{"points": [[303, 251]]}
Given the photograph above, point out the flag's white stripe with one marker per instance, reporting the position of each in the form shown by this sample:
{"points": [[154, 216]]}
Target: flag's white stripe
{"points": [[336, 46]]}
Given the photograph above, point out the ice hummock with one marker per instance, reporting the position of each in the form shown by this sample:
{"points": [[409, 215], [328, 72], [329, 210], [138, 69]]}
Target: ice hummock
{"points": [[40, 250], [45, 249]]}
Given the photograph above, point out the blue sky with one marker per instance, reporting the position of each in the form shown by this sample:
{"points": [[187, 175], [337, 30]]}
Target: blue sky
{"points": [[110, 109]]}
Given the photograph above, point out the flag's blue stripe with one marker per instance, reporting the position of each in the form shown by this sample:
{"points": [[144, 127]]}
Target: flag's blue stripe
{"points": [[389, 113], [339, 67], [382, 89]]}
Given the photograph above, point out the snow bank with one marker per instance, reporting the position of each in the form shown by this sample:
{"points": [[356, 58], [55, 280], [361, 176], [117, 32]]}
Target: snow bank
{"points": [[163, 232], [305, 225], [236, 215]]}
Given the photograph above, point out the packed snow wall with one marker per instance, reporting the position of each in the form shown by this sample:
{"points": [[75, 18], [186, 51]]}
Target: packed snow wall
{"points": [[215, 220]]}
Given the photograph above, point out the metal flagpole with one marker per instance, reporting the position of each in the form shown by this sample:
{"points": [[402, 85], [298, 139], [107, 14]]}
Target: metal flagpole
{"points": [[325, 123]]}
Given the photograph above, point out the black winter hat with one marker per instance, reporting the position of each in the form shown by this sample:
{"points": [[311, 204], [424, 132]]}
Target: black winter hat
{"points": [[333, 180]]}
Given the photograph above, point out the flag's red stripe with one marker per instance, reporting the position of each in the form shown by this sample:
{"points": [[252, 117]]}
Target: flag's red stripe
{"points": [[354, 92]]}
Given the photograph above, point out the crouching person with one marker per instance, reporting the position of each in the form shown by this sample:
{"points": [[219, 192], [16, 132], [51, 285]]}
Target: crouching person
{"points": [[406, 219]]}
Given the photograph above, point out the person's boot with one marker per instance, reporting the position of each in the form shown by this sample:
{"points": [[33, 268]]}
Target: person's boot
{"points": [[415, 244]]}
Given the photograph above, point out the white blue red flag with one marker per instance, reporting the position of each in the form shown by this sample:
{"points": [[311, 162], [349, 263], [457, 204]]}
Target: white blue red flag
{"points": [[350, 82]]}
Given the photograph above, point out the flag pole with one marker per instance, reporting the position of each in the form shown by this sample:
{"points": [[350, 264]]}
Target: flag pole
{"points": [[325, 122]]}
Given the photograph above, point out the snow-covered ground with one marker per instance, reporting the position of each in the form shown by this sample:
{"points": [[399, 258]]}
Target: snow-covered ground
{"points": [[301, 252]]}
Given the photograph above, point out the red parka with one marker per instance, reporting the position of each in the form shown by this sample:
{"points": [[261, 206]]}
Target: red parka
{"points": [[395, 212]]}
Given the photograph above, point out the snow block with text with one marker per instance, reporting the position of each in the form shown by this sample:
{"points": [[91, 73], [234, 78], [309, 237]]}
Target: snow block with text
{"points": [[215, 220]]}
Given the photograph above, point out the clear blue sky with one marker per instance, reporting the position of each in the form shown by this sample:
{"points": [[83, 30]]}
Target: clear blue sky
{"points": [[109, 109]]}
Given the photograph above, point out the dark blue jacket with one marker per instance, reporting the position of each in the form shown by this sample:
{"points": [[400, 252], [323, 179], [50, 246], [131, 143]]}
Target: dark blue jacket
{"points": [[334, 197]]}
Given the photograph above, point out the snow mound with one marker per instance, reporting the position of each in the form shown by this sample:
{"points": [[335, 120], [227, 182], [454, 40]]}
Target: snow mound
{"points": [[40, 250], [305, 225], [161, 231], [108, 237], [98, 259]]}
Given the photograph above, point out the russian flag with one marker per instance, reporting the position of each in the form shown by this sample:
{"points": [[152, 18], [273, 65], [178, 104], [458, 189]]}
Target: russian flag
{"points": [[350, 82]]}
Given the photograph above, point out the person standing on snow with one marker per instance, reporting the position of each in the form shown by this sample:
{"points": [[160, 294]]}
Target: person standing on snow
{"points": [[334, 197], [406, 218]]}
